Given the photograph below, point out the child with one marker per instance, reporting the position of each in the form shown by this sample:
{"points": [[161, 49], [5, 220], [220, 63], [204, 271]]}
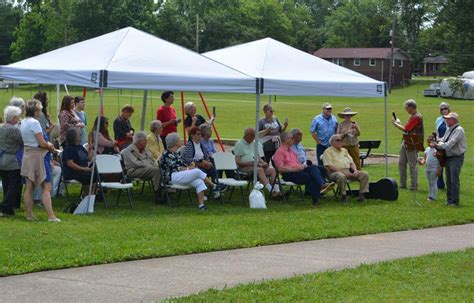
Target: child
{"points": [[432, 169]]}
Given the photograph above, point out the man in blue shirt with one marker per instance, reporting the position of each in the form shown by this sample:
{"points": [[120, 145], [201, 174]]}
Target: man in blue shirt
{"points": [[322, 128]]}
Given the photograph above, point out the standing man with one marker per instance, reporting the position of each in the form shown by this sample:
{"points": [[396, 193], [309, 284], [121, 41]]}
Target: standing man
{"points": [[79, 104], [412, 143], [454, 145], [167, 115], [322, 128]]}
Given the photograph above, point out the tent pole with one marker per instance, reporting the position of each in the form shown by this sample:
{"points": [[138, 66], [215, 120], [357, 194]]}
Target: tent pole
{"points": [[96, 139], [213, 125], [270, 99], [57, 103], [256, 153], [386, 135], [145, 97], [182, 115]]}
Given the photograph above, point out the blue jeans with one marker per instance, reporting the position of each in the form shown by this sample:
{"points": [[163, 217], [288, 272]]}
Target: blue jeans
{"points": [[319, 151], [310, 177]]}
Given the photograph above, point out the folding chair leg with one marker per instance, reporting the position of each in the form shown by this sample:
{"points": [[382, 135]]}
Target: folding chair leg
{"points": [[231, 193], [243, 196], [129, 198], [118, 197], [143, 188], [190, 196]]}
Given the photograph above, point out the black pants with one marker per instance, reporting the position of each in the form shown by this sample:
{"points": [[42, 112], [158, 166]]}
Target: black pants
{"points": [[12, 186]]}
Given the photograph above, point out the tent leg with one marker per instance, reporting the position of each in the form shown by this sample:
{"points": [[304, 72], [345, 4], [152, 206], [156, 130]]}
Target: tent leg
{"points": [[57, 103], [213, 125], [256, 154], [270, 99], [145, 97], [386, 135], [182, 115], [96, 139]]}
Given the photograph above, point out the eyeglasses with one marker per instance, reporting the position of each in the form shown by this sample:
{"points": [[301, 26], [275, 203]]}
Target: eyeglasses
{"points": [[328, 108], [271, 110], [444, 108]]}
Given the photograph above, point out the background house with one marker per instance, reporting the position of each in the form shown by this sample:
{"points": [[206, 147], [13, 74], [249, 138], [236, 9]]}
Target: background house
{"points": [[433, 66], [372, 62]]}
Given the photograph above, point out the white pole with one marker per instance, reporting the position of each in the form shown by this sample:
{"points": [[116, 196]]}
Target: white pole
{"points": [[96, 139], [57, 103], [270, 99], [145, 97], [386, 133], [256, 153]]}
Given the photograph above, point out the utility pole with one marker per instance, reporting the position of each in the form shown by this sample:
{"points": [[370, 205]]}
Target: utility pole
{"points": [[390, 71], [197, 33]]}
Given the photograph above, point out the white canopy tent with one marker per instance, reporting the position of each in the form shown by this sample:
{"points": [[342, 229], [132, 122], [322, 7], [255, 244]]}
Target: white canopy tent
{"points": [[284, 70], [129, 58]]}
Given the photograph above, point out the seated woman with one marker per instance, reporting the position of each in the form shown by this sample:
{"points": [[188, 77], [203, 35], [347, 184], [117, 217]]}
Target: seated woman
{"points": [[206, 134], [155, 145], [75, 159], [123, 128], [192, 118], [196, 152], [174, 170], [105, 144]]}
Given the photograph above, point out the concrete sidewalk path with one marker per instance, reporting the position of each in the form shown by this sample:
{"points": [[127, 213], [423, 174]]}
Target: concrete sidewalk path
{"points": [[155, 279]]}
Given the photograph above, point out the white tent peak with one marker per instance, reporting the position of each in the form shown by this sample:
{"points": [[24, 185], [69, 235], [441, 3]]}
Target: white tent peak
{"points": [[289, 71], [133, 59]]}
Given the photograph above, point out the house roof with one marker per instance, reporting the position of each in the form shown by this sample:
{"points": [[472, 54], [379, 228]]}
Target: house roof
{"points": [[436, 59], [373, 53]]}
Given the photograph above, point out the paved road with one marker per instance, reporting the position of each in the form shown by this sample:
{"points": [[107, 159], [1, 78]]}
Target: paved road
{"points": [[155, 279]]}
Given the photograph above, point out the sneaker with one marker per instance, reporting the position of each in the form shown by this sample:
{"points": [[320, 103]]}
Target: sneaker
{"points": [[31, 218], [202, 207], [327, 187], [216, 194], [54, 220]]}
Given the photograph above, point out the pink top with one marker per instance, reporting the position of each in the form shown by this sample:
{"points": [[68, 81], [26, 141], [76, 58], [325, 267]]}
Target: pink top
{"points": [[285, 156]]}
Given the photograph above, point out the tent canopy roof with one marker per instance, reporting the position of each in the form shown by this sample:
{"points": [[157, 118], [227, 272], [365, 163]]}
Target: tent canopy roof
{"points": [[132, 59], [289, 71]]}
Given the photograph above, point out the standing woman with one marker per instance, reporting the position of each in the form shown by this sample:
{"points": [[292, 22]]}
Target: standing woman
{"points": [[79, 104], [269, 129], [68, 118], [441, 127], [35, 166], [349, 131], [44, 118], [10, 143], [167, 115]]}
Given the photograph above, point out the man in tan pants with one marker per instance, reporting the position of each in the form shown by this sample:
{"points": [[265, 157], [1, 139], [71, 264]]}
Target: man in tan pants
{"points": [[341, 168], [139, 162]]}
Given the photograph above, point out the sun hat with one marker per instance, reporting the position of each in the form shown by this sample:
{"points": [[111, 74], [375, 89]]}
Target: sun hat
{"points": [[452, 115], [347, 111]]}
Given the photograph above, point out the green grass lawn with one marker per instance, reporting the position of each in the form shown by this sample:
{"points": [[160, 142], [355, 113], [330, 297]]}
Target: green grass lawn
{"points": [[148, 230], [443, 277]]}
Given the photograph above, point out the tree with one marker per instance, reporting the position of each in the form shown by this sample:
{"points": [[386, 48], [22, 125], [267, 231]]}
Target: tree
{"points": [[9, 18]]}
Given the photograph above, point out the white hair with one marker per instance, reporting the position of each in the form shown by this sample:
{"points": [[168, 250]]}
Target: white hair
{"points": [[10, 112], [18, 102], [139, 136], [188, 106], [171, 139], [295, 131], [154, 125], [410, 103], [333, 137]]}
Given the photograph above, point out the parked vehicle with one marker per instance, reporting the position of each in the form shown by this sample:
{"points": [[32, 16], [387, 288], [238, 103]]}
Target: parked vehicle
{"points": [[433, 91], [459, 88]]}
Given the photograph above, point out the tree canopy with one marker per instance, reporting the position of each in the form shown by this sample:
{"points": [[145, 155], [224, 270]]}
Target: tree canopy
{"points": [[422, 27]]}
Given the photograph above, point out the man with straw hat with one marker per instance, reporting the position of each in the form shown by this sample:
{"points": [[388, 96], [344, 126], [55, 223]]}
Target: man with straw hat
{"points": [[349, 131], [454, 145]]}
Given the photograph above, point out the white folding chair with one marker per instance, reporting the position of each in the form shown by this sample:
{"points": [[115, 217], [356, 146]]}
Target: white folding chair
{"points": [[226, 161], [178, 188], [110, 164]]}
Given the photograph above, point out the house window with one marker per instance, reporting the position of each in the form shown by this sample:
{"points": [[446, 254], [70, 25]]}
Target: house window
{"points": [[400, 64], [372, 62], [356, 62], [338, 62]]}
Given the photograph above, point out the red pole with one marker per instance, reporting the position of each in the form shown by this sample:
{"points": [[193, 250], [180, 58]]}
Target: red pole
{"points": [[213, 124], [182, 115], [84, 92]]}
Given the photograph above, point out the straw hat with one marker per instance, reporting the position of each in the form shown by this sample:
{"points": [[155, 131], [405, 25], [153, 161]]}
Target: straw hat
{"points": [[452, 115], [347, 111]]}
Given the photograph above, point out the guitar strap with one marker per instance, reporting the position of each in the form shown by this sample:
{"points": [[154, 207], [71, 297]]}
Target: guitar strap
{"points": [[452, 131]]}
